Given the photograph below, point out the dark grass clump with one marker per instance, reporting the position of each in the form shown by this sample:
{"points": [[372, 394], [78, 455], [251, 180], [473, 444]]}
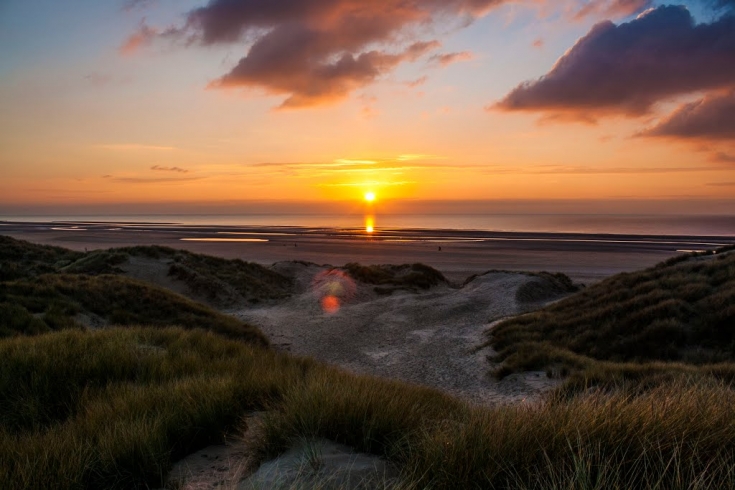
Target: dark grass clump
{"points": [[19, 258], [219, 281], [54, 302], [98, 262], [211, 276], [393, 277], [545, 286], [681, 312]]}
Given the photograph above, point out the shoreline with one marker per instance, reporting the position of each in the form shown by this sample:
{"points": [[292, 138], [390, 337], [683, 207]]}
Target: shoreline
{"points": [[457, 253]]}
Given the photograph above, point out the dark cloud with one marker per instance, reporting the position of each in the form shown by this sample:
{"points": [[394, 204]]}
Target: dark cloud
{"points": [[612, 8], [318, 51], [159, 168], [712, 118], [629, 67]]}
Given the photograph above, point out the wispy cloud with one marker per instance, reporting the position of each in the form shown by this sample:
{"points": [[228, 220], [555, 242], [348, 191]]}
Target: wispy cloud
{"points": [[373, 183], [579, 170], [447, 59], [159, 168], [135, 147], [155, 180], [129, 5], [612, 8]]}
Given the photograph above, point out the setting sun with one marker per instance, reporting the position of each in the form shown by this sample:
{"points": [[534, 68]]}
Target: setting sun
{"points": [[370, 196]]}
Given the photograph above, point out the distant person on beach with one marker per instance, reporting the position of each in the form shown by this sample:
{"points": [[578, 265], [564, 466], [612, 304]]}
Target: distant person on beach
{"points": [[440, 249]]}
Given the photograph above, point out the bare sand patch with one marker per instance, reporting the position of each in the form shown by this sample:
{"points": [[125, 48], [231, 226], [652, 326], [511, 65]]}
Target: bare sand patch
{"points": [[427, 337]]}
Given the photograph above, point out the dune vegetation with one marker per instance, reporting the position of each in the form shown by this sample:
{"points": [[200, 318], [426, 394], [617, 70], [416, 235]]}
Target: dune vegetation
{"points": [[675, 318], [390, 278], [115, 406]]}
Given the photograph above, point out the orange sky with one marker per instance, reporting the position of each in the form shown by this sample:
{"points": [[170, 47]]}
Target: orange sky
{"points": [[96, 124]]}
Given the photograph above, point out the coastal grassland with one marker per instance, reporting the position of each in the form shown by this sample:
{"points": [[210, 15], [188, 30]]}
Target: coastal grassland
{"points": [[114, 408], [51, 302], [19, 259], [217, 280], [675, 318], [220, 281]]}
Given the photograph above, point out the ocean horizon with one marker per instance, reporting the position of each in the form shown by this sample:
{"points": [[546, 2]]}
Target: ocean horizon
{"points": [[627, 224]]}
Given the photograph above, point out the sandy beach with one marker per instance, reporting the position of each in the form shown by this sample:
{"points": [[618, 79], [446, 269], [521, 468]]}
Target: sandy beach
{"points": [[458, 254]]}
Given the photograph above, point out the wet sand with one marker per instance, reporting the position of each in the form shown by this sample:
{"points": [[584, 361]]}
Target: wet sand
{"points": [[457, 253]]}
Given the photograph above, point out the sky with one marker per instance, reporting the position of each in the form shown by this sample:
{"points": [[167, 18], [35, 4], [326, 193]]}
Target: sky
{"points": [[288, 105]]}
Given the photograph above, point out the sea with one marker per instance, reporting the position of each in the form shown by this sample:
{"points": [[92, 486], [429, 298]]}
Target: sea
{"points": [[627, 224]]}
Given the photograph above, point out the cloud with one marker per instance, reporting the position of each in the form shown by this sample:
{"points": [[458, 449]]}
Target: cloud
{"points": [[129, 5], [159, 168], [447, 59], [314, 52], [142, 37], [418, 82], [724, 157], [721, 4], [308, 85], [711, 118], [135, 147], [580, 170], [627, 68], [159, 180], [612, 8]]}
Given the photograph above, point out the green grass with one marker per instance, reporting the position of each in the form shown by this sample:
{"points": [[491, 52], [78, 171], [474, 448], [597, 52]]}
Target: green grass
{"points": [[114, 408], [55, 301], [681, 311]]}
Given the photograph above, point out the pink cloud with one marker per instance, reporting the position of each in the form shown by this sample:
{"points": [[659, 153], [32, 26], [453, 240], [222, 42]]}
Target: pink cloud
{"points": [[612, 8]]}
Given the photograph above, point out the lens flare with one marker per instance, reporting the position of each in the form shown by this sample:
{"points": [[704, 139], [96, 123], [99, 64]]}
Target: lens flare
{"points": [[333, 288], [330, 304]]}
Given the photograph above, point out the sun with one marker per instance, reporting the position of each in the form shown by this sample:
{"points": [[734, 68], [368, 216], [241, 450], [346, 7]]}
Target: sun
{"points": [[370, 196]]}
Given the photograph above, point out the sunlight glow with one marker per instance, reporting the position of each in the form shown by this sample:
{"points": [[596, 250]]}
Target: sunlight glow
{"points": [[370, 196], [369, 224]]}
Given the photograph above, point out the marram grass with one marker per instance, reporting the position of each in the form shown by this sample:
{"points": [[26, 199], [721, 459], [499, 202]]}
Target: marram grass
{"points": [[114, 409]]}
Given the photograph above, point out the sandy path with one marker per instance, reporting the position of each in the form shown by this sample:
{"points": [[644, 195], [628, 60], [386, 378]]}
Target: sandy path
{"points": [[425, 338]]}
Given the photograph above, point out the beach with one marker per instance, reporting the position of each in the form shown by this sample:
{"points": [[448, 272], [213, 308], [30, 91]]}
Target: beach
{"points": [[586, 258]]}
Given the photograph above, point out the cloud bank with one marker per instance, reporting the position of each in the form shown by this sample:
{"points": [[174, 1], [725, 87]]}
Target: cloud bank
{"points": [[627, 68], [318, 51]]}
